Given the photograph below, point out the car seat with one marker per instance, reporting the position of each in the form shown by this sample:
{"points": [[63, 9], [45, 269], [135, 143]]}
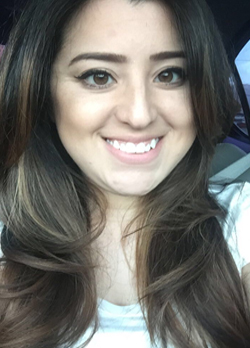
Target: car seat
{"points": [[225, 155]]}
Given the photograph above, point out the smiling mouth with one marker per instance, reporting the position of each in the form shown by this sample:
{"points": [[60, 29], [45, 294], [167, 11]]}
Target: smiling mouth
{"points": [[129, 147]]}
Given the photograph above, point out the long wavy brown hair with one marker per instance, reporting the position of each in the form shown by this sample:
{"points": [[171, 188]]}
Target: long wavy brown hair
{"points": [[188, 285]]}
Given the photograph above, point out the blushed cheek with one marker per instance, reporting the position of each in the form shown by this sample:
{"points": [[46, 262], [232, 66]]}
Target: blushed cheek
{"points": [[86, 112], [181, 121]]}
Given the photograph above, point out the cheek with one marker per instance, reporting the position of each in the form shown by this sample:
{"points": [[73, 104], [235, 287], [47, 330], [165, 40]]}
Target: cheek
{"points": [[77, 112], [177, 111]]}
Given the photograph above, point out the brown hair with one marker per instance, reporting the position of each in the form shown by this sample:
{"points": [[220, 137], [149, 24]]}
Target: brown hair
{"points": [[48, 292]]}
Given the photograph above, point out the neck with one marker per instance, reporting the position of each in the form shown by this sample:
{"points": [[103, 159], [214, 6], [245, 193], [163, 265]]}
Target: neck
{"points": [[120, 212]]}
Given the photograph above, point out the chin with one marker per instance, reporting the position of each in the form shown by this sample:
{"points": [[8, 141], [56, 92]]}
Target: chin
{"points": [[134, 191], [135, 187]]}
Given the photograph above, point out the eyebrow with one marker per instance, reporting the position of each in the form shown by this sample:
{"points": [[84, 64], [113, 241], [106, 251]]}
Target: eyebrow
{"points": [[118, 58]]}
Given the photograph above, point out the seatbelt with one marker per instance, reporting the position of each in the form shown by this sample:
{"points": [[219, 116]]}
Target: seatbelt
{"points": [[232, 172]]}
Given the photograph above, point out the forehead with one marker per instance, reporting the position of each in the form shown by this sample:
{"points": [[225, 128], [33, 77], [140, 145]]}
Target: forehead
{"points": [[114, 25]]}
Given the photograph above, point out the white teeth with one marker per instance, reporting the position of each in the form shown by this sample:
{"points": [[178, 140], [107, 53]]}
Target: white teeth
{"points": [[123, 147], [140, 148], [115, 144], [130, 148], [153, 143], [147, 148], [133, 148]]}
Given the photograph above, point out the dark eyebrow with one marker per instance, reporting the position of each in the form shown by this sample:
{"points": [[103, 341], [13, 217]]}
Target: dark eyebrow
{"points": [[108, 57], [118, 58], [167, 55]]}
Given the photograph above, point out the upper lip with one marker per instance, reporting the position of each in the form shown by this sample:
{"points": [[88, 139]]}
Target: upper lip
{"points": [[132, 139]]}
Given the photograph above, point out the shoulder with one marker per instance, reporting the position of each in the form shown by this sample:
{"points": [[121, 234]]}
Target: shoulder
{"points": [[232, 194], [235, 198]]}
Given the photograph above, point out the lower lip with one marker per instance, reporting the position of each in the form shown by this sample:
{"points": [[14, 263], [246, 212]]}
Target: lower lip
{"points": [[135, 158]]}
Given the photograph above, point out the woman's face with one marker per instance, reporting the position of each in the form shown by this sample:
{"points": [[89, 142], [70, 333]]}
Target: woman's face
{"points": [[122, 104]]}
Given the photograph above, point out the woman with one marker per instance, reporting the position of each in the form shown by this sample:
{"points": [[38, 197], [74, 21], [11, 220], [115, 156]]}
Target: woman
{"points": [[110, 114]]}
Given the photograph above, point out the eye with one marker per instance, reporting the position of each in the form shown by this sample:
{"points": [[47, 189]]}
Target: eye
{"points": [[172, 76], [97, 79]]}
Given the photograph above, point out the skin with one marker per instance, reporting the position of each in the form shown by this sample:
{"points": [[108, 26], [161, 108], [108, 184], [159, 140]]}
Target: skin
{"points": [[135, 104]]}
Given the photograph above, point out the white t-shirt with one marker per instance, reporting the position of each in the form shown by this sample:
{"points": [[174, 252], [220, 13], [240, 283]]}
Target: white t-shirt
{"points": [[124, 327]]}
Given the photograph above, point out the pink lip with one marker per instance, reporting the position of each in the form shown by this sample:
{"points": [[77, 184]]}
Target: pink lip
{"points": [[137, 158]]}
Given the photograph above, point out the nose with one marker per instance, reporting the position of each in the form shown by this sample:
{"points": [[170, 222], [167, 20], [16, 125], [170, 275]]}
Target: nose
{"points": [[135, 107]]}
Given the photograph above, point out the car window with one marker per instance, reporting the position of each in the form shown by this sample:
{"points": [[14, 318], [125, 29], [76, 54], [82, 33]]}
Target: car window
{"points": [[243, 65]]}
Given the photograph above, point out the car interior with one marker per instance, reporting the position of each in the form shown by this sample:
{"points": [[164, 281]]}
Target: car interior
{"points": [[231, 162]]}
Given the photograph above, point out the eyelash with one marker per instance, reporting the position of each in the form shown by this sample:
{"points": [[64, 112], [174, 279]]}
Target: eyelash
{"points": [[174, 70]]}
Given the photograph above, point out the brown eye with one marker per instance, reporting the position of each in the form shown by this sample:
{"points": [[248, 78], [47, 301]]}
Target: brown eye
{"points": [[97, 79], [101, 78], [166, 77], [171, 76]]}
